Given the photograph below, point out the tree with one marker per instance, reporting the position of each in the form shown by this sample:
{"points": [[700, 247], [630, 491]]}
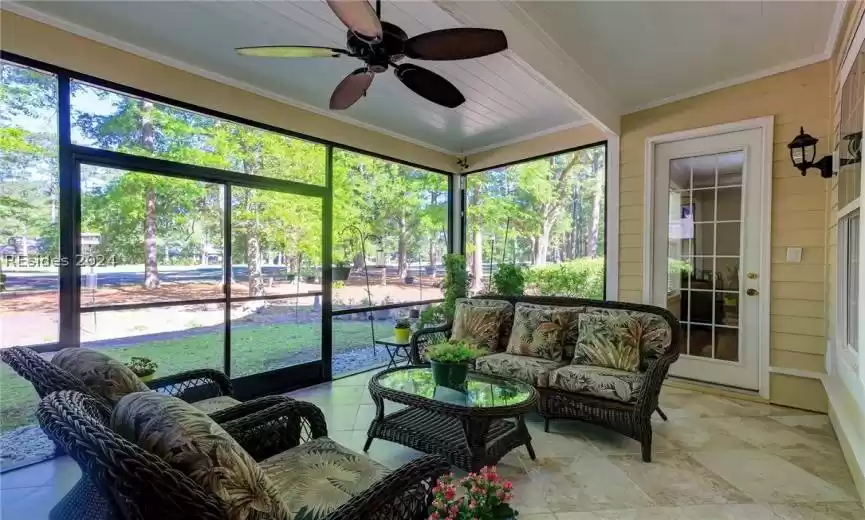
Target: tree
{"points": [[28, 157], [549, 209]]}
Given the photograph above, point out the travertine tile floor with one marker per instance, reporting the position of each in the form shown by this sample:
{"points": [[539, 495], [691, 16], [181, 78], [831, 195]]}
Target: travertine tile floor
{"points": [[716, 458]]}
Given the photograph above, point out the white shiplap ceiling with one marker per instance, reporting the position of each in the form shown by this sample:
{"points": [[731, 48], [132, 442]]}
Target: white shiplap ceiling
{"points": [[646, 53], [505, 102]]}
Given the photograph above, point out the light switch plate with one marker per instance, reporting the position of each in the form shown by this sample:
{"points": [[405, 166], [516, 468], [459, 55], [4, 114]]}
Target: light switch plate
{"points": [[794, 254]]}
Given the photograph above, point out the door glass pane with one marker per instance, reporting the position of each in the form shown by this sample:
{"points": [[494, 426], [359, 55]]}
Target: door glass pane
{"points": [[276, 250], [730, 166], [704, 258], [727, 343], [727, 239], [148, 238], [273, 334], [275, 243], [176, 337], [29, 221], [727, 274], [729, 202], [704, 239], [700, 342]]}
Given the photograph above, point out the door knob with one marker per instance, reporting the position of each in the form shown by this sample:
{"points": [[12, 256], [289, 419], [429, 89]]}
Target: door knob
{"points": [[752, 292]]}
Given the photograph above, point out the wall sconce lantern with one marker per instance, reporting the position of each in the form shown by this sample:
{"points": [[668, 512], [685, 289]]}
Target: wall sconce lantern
{"points": [[803, 150]]}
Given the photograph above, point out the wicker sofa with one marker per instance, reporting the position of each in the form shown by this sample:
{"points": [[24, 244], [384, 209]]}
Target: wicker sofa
{"points": [[571, 387], [155, 456]]}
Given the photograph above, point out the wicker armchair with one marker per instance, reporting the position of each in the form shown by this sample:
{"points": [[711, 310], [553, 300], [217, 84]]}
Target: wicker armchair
{"points": [[139, 485], [632, 419], [191, 386]]}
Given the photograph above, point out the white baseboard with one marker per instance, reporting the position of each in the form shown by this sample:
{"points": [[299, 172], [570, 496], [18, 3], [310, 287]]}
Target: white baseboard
{"points": [[849, 438]]}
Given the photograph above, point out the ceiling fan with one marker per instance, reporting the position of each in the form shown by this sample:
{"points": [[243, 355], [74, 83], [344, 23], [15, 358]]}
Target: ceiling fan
{"points": [[381, 45]]}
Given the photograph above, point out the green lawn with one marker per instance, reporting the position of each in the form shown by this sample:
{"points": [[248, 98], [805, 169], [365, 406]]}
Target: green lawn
{"points": [[255, 348]]}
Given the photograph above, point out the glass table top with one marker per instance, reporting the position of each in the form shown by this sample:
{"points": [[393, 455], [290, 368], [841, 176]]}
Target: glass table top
{"points": [[480, 391]]}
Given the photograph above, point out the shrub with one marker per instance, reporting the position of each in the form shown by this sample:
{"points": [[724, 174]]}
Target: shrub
{"points": [[581, 278], [455, 283], [509, 280]]}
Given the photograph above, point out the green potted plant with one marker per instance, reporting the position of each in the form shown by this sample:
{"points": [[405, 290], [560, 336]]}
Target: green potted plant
{"points": [[450, 361], [454, 285], [143, 367], [402, 330], [341, 271], [509, 280], [480, 496]]}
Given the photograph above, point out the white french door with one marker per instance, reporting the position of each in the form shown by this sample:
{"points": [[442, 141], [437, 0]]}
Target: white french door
{"points": [[707, 254]]}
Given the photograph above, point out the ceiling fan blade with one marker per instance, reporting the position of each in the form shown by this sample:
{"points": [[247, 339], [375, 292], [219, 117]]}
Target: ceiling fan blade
{"points": [[429, 85], [291, 51], [358, 16], [456, 44], [350, 89]]}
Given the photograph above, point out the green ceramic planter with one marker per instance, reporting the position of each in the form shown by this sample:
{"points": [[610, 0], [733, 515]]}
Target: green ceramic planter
{"points": [[451, 375]]}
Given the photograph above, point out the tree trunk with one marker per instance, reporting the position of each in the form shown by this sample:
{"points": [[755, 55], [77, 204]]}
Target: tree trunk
{"points": [[543, 244], [596, 213], [151, 269], [432, 254], [478, 260], [402, 249], [253, 253], [253, 249]]}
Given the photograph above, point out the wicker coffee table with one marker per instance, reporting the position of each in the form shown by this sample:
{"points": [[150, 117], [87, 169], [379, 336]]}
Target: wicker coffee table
{"points": [[473, 427]]}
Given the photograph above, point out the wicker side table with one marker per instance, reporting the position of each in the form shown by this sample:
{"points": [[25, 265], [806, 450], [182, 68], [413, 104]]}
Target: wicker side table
{"points": [[472, 427]]}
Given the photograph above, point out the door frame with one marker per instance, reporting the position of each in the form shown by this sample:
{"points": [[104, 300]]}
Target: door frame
{"points": [[766, 126]]}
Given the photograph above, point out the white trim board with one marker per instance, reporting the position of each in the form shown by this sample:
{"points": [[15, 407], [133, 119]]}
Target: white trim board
{"points": [[611, 240], [853, 446], [527, 137], [766, 125]]}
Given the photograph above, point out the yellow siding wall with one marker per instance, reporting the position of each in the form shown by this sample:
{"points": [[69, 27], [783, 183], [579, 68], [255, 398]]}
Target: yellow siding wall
{"points": [[799, 212]]}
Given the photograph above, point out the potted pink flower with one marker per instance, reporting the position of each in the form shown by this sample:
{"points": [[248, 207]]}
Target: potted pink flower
{"points": [[479, 496]]}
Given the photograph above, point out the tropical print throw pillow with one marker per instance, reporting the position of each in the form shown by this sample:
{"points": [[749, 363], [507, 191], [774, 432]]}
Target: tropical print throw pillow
{"points": [[195, 444], [482, 322], [543, 331], [608, 340], [102, 374], [655, 334]]}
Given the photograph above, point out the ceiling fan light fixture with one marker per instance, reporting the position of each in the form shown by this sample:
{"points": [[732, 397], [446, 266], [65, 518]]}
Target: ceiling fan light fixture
{"points": [[381, 45]]}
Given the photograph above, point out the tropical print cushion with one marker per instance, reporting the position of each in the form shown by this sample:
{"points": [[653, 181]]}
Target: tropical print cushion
{"points": [[317, 477], [608, 340], [655, 334], [531, 370], [102, 374], [193, 443], [609, 383], [543, 331], [483, 322], [214, 404]]}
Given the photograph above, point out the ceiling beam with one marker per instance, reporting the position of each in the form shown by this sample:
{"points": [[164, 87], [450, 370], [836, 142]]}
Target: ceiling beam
{"points": [[535, 51]]}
